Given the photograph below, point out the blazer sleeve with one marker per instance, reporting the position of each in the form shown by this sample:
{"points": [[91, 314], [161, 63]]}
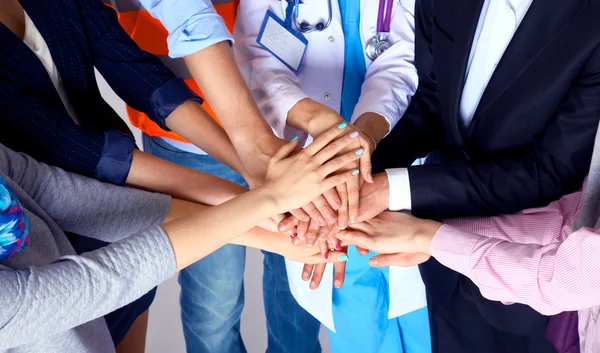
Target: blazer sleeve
{"points": [[137, 77], [555, 164], [421, 129]]}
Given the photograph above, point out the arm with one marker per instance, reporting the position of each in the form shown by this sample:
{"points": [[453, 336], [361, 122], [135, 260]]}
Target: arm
{"points": [[391, 79], [145, 84]]}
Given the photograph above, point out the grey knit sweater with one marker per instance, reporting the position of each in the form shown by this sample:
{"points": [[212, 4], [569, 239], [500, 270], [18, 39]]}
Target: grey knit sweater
{"points": [[52, 300]]}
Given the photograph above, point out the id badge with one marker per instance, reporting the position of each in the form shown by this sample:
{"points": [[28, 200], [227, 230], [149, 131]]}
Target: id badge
{"points": [[282, 41]]}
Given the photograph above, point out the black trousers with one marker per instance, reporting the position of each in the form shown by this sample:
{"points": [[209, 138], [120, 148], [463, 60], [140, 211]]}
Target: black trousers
{"points": [[469, 323]]}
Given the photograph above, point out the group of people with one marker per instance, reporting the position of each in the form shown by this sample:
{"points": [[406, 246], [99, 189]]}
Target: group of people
{"points": [[344, 138]]}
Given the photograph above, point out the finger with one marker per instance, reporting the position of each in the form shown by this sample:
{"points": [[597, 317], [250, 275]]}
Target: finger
{"points": [[343, 210], [284, 151], [325, 210], [307, 271], [362, 251], [339, 274], [311, 235], [365, 163], [300, 214], [333, 199], [358, 238], [301, 230], [334, 257], [323, 248], [287, 224], [324, 139], [353, 186], [399, 259], [364, 227], [317, 276], [314, 213], [334, 148], [338, 163]]}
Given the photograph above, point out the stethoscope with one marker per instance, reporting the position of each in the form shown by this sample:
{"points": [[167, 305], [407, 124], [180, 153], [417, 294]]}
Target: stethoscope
{"points": [[375, 46]]}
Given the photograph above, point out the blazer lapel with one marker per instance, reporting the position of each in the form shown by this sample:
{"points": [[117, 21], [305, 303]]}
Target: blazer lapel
{"points": [[466, 19], [55, 24], [18, 59], [543, 23]]}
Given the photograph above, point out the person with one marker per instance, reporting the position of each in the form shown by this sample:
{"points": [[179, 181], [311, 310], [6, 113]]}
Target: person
{"points": [[197, 35], [53, 300], [505, 112], [337, 82], [542, 257], [52, 109]]}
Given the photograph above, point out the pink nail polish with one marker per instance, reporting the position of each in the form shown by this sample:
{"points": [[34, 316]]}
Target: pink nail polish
{"points": [[326, 255], [354, 134], [338, 247], [293, 235]]}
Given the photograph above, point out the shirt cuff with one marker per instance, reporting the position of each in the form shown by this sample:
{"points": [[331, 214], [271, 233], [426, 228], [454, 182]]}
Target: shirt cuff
{"points": [[452, 247], [399, 185], [199, 32], [116, 158], [166, 98]]}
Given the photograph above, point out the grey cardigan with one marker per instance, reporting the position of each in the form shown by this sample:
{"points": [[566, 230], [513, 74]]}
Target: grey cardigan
{"points": [[52, 300]]}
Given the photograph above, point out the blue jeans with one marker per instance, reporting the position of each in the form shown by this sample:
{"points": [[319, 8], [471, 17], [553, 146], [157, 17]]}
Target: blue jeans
{"points": [[212, 289]]}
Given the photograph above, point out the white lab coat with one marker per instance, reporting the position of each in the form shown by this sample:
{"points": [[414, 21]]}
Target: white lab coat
{"points": [[390, 82]]}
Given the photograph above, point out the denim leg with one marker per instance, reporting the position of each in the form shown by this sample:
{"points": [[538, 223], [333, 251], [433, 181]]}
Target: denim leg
{"points": [[291, 329], [212, 290]]}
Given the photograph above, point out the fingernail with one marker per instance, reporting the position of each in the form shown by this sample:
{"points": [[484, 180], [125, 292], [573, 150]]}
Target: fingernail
{"points": [[359, 152], [293, 235], [294, 139], [352, 219], [355, 172], [374, 261], [342, 125], [326, 255], [343, 258], [337, 283], [305, 276], [296, 241], [338, 247], [313, 285], [310, 243], [322, 221], [353, 135]]}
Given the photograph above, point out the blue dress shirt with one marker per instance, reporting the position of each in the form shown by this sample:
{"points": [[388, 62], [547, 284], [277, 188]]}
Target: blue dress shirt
{"points": [[192, 24]]}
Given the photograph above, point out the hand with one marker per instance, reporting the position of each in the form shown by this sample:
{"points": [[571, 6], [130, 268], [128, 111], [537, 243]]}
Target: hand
{"points": [[392, 233], [293, 181], [314, 273], [374, 198]]}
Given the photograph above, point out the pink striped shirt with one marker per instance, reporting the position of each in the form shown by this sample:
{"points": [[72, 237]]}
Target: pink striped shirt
{"points": [[531, 257]]}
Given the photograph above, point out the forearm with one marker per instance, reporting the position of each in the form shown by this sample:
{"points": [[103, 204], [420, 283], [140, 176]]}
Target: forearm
{"points": [[195, 231], [155, 174], [219, 78], [193, 123]]}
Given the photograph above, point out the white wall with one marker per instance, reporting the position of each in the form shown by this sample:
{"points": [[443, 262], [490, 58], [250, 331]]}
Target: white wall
{"points": [[165, 334]]}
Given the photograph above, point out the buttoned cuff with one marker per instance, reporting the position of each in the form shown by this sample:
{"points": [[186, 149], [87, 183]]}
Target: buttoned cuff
{"points": [[452, 247], [166, 98], [284, 99], [199, 32], [116, 158], [399, 186]]}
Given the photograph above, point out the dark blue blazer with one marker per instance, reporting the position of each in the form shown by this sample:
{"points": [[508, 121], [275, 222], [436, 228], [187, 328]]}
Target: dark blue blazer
{"points": [[81, 35], [531, 138]]}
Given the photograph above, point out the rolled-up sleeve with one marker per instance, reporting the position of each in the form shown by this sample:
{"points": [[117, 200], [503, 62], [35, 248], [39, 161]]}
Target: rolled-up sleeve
{"points": [[192, 24]]}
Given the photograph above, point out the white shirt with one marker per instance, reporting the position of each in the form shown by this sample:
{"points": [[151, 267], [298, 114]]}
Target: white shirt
{"points": [[498, 22], [34, 40]]}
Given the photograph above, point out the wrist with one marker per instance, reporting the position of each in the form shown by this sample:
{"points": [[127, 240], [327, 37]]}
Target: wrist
{"points": [[425, 233], [312, 117], [374, 125]]}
